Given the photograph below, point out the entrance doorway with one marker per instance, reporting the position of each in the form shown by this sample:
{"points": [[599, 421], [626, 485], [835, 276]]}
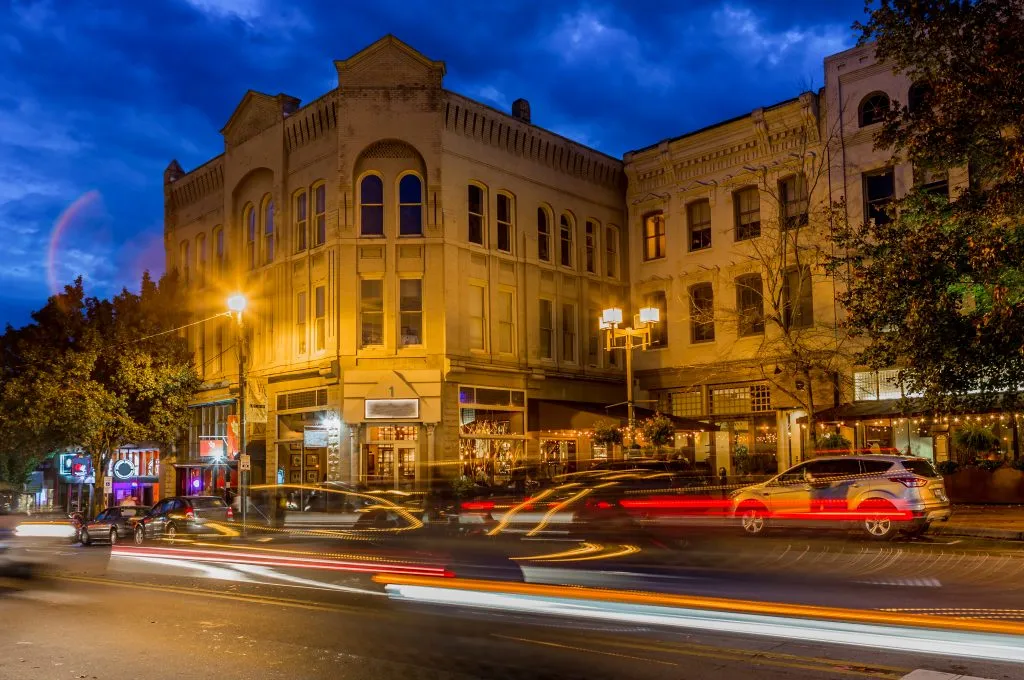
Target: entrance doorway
{"points": [[390, 455]]}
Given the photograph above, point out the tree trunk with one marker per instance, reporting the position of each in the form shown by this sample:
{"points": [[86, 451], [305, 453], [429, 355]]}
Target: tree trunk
{"points": [[812, 424]]}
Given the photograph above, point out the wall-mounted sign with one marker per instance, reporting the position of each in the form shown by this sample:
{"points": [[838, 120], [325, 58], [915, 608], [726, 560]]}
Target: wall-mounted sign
{"points": [[314, 438], [215, 447], [233, 436], [388, 409], [81, 466], [124, 469]]}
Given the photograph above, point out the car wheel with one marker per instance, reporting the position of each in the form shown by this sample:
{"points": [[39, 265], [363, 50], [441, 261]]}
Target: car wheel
{"points": [[113, 537], [754, 520], [84, 536], [171, 532], [881, 528], [140, 535]]}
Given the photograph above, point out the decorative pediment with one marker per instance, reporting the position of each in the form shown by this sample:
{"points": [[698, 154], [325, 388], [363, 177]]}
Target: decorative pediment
{"points": [[389, 62], [255, 113]]}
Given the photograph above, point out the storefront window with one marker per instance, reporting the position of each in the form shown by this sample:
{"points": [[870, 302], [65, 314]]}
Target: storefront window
{"points": [[390, 454], [754, 445], [559, 455], [492, 432]]}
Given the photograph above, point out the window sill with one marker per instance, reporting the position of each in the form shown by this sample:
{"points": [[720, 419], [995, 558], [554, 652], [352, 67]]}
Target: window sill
{"points": [[652, 259], [703, 342]]}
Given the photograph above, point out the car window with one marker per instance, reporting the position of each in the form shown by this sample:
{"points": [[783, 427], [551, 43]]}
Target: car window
{"points": [[160, 508], [842, 467], [794, 474], [102, 517], [875, 467], [130, 511], [920, 467], [208, 503]]}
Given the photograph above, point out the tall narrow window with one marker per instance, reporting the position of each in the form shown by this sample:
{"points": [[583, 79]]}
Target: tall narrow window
{"points": [[699, 217], [371, 206], [747, 203], [654, 236], [201, 260], [218, 345], [320, 319], [611, 252], [270, 333], [319, 215], [505, 223], [547, 329], [220, 254], [300, 321], [659, 331], [410, 206], [702, 313], [591, 246], [932, 181], [594, 338], [268, 231], [793, 195], [506, 322], [797, 300], [201, 348], [371, 312], [475, 214], [183, 262], [565, 240], [477, 317], [410, 311], [543, 235], [300, 217], [569, 332], [750, 305], [879, 190], [250, 236]]}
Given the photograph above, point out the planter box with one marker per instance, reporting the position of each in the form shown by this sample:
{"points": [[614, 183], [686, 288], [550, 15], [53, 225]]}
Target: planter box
{"points": [[975, 485]]}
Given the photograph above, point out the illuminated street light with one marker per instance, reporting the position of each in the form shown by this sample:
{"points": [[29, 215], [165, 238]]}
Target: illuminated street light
{"points": [[636, 337], [237, 304]]}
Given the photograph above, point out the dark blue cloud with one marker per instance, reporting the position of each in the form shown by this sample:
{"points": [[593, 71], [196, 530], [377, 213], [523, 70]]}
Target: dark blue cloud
{"points": [[98, 95]]}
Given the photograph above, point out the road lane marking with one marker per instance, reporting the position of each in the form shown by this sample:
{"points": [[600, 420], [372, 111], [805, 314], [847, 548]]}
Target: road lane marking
{"points": [[204, 592], [763, 657], [586, 650]]}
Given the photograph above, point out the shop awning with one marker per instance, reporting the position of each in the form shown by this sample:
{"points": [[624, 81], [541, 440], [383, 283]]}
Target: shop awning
{"points": [[555, 414], [897, 408]]}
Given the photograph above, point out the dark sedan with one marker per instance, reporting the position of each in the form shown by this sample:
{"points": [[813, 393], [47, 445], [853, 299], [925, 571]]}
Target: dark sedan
{"points": [[203, 515], [112, 524]]}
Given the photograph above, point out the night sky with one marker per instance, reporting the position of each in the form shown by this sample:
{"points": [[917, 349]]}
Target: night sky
{"points": [[97, 97]]}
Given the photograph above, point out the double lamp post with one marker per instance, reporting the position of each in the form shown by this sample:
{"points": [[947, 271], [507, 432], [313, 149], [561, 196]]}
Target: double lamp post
{"points": [[637, 336]]}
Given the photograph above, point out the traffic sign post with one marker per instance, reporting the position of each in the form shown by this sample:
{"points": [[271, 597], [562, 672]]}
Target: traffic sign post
{"points": [[108, 489]]}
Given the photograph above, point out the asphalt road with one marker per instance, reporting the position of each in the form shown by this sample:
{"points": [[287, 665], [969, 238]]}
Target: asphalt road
{"points": [[188, 611], [85, 627]]}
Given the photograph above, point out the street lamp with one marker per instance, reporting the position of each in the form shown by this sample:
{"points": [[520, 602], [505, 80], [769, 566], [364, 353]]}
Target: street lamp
{"points": [[236, 305], [638, 336]]}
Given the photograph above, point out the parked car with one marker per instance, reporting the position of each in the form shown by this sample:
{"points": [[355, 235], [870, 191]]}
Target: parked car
{"points": [[183, 515], [112, 525], [881, 495]]}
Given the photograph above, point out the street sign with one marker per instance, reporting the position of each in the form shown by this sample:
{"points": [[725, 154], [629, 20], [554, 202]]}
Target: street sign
{"points": [[108, 485], [245, 462]]}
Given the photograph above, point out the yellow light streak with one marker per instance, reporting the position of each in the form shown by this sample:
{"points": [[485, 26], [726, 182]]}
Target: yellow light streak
{"points": [[511, 513]]}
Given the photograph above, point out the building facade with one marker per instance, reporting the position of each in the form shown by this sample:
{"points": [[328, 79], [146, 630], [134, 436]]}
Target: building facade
{"points": [[419, 269]]}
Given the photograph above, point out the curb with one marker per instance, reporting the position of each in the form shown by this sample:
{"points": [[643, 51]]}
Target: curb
{"points": [[979, 532]]}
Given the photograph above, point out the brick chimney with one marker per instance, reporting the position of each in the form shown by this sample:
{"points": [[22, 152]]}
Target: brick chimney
{"points": [[521, 110]]}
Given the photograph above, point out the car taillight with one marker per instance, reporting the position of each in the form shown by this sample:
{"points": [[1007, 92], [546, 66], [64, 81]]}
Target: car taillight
{"points": [[478, 506], [910, 482], [600, 505], [190, 514], [231, 513]]}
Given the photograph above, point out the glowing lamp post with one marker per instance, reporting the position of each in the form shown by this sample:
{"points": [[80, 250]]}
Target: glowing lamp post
{"points": [[636, 337], [236, 305]]}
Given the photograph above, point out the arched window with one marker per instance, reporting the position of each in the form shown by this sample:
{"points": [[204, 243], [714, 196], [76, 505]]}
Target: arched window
{"points": [[872, 108], [410, 206], [543, 235], [183, 262], [371, 206], [220, 249], [249, 219], [268, 230], [300, 216], [565, 240], [505, 223], [917, 98], [475, 216]]}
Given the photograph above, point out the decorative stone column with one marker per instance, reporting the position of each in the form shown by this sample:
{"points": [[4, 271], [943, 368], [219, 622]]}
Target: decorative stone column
{"points": [[428, 478], [335, 469], [355, 453]]}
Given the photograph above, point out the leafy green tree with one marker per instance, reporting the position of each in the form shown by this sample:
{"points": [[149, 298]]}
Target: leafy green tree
{"points": [[939, 288], [99, 374], [657, 430]]}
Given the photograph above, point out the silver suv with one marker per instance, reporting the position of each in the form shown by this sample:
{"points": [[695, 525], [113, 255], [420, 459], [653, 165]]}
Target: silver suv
{"points": [[880, 495]]}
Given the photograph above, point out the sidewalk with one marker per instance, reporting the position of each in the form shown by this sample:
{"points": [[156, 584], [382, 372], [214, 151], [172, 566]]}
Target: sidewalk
{"points": [[1002, 522]]}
